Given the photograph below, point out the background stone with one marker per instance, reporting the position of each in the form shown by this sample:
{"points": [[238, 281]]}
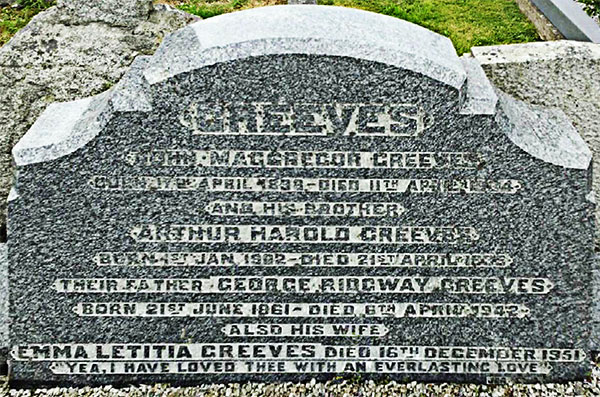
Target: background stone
{"points": [[115, 13], [546, 30], [561, 74], [76, 49], [568, 17]]}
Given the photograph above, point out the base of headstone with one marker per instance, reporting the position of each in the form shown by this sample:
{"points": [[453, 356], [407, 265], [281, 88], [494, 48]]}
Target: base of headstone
{"points": [[3, 308]]}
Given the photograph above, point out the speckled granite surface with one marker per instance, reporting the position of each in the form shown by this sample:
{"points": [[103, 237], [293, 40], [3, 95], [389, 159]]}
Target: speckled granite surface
{"points": [[266, 200]]}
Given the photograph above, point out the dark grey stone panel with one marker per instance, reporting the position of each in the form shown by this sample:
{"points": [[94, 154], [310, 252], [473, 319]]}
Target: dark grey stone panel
{"points": [[284, 208]]}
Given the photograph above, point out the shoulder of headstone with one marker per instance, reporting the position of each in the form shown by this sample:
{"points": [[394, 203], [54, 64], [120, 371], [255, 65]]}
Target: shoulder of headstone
{"points": [[543, 132], [65, 127], [61, 129]]}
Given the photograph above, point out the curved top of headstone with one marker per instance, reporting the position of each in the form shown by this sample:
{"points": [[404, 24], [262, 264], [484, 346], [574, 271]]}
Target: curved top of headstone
{"points": [[307, 29], [65, 127]]}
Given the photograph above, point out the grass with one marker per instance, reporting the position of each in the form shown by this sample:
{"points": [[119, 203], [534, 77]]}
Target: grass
{"points": [[13, 19], [211, 8], [467, 23]]}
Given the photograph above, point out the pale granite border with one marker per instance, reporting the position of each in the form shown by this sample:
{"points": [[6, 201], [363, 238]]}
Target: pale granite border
{"points": [[308, 29]]}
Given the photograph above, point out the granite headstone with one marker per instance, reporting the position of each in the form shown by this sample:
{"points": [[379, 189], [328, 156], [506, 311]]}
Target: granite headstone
{"points": [[299, 192]]}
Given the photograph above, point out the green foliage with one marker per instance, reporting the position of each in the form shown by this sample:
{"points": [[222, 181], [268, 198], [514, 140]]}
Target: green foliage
{"points": [[467, 23], [13, 19], [39, 4], [592, 7], [211, 8], [4, 386]]}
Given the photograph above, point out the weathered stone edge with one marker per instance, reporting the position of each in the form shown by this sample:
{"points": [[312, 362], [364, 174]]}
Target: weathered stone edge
{"points": [[130, 94], [61, 129], [308, 29], [536, 51], [570, 20]]}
